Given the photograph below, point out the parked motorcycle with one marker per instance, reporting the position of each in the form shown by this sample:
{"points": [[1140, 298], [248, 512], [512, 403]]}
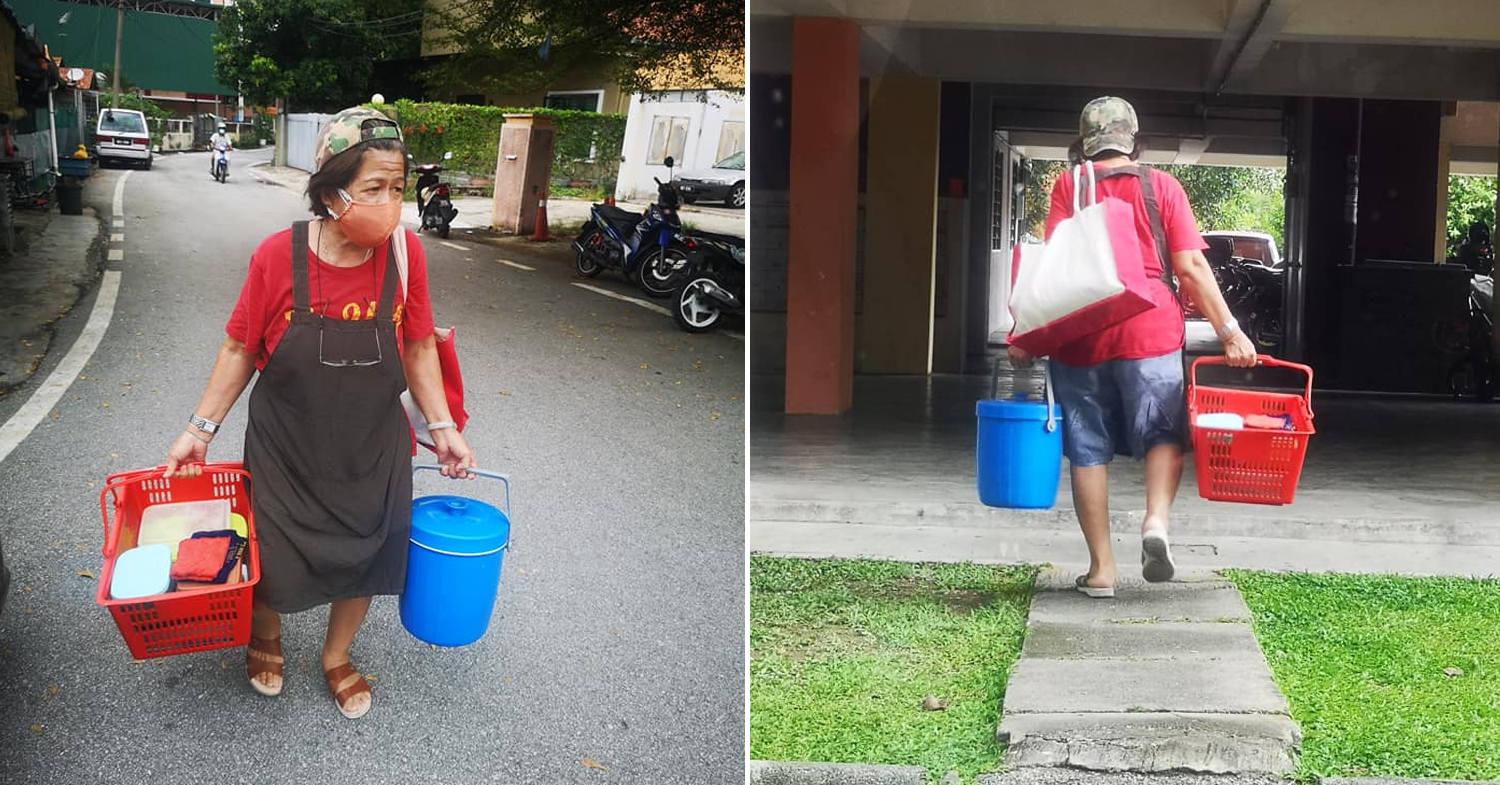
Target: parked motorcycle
{"points": [[713, 282], [1475, 370], [221, 163], [434, 199], [627, 241], [1252, 291]]}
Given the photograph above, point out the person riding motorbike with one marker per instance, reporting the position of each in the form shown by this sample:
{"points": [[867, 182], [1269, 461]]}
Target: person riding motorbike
{"points": [[1477, 251], [219, 141]]}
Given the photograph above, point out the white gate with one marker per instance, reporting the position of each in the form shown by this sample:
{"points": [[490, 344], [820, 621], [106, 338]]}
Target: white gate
{"points": [[302, 139]]}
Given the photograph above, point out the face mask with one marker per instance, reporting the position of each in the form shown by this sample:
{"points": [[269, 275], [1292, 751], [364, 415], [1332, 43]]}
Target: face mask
{"points": [[367, 225]]}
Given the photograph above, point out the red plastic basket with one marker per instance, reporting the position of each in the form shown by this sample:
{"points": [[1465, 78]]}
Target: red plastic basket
{"points": [[177, 622], [1251, 466]]}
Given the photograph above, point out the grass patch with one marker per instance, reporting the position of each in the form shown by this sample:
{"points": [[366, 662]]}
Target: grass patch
{"points": [[842, 654], [1362, 661]]}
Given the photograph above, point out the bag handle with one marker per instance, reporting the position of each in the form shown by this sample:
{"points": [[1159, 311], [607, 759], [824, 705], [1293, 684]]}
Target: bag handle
{"points": [[114, 483]]}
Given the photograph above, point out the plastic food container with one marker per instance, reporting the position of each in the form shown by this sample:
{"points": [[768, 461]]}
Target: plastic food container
{"points": [[172, 523], [141, 572]]}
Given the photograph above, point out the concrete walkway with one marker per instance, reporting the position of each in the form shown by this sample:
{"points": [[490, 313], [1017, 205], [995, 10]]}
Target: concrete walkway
{"points": [[1166, 677], [1390, 485]]}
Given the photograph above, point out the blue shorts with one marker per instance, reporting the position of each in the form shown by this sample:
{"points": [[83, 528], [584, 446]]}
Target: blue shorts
{"points": [[1121, 407]]}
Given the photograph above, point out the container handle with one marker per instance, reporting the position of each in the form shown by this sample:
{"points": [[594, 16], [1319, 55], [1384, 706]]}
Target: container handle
{"points": [[1260, 360], [114, 483], [1047, 390], [505, 478]]}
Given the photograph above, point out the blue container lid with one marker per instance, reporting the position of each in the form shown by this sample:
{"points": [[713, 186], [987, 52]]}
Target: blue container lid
{"points": [[459, 526], [142, 572], [1016, 409]]}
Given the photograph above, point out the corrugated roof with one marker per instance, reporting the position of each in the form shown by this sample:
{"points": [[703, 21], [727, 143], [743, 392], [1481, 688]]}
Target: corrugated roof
{"points": [[160, 52]]}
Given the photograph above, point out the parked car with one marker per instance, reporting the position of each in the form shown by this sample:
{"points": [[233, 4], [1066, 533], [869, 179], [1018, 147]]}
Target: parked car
{"points": [[122, 136], [724, 181], [1255, 246]]}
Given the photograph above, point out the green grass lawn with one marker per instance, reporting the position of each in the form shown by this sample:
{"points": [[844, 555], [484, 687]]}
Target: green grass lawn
{"points": [[1362, 661], [843, 654]]}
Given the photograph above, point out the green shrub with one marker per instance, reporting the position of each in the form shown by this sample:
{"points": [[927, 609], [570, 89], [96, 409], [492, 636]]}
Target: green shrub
{"points": [[472, 134]]}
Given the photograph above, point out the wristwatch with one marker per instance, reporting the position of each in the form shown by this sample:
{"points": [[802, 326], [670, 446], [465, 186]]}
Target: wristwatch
{"points": [[207, 426]]}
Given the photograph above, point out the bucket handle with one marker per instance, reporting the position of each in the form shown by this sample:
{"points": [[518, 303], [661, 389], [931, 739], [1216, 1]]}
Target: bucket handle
{"points": [[505, 478], [1047, 389]]}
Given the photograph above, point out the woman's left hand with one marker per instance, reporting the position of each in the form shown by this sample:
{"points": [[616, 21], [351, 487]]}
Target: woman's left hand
{"points": [[453, 453]]}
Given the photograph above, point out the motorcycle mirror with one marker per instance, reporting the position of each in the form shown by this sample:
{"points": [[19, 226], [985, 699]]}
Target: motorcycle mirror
{"points": [[448, 155], [669, 162]]}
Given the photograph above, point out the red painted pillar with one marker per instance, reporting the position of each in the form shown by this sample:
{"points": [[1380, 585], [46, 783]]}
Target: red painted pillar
{"points": [[824, 199]]}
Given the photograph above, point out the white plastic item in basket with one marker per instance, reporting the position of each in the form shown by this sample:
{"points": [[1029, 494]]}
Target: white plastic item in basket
{"points": [[171, 523]]}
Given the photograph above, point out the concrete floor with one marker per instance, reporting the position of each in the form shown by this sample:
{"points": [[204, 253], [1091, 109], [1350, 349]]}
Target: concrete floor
{"points": [[1380, 473]]}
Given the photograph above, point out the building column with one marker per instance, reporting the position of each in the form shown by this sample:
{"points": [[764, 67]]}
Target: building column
{"points": [[900, 226], [1444, 168], [824, 200]]}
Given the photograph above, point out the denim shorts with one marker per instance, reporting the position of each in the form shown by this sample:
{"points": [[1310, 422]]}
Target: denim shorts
{"points": [[1121, 407]]}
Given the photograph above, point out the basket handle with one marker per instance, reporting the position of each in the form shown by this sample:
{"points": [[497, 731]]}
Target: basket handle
{"points": [[1260, 360], [115, 482], [505, 478]]}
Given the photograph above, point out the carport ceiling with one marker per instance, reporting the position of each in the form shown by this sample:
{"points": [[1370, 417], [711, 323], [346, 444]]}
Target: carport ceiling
{"points": [[1432, 49]]}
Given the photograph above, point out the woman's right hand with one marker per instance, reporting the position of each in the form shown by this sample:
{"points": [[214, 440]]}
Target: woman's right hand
{"points": [[186, 456]]}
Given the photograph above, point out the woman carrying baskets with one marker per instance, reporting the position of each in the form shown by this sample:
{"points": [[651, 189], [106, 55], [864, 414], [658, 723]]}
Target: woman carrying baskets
{"points": [[337, 331], [1121, 389]]}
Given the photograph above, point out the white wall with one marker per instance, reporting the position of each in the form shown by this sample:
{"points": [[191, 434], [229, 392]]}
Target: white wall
{"points": [[302, 138], [706, 114]]}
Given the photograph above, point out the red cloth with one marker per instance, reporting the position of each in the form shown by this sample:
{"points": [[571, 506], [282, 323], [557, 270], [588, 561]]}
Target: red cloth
{"points": [[264, 309], [1156, 331], [200, 559]]}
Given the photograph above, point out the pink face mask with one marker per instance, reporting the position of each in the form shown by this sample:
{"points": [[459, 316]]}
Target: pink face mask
{"points": [[368, 225]]}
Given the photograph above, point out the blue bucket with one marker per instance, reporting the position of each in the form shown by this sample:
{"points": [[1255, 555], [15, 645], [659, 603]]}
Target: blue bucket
{"points": [[1018, 458], [453, 566]]}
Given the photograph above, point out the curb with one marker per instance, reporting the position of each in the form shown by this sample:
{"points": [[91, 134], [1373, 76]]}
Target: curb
{"points": [[1393, 781], [763, 772]]}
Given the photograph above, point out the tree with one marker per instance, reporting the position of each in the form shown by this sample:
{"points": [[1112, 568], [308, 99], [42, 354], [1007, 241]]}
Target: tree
{"points": [[1470, 199], [317, 54], [514, 46]]}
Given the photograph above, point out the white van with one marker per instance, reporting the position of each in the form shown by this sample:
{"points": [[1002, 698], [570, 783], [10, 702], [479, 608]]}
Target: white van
{"points": [[122, 136]]}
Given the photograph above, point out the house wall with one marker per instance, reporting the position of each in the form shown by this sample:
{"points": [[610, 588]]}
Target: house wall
{"points": [[706, 114]]}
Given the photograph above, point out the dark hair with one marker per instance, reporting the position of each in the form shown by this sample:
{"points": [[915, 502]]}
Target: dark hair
{"points": [[340, 170]]}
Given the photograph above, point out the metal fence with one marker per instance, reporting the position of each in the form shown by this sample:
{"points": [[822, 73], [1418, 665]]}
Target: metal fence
{"points": [[302, 139]]}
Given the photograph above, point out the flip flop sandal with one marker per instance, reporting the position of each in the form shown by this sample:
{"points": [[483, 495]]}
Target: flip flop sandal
{"points": [[1156, 557], [263, 657], [1081, 583], [341, 695]]}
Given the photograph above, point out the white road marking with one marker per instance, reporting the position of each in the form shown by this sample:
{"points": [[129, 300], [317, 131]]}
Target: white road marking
{"points": [[119, 222], [119, 206], [517, 265], [116, 255], [454, 246], [623, 298], [21, 424], [117, 237]]}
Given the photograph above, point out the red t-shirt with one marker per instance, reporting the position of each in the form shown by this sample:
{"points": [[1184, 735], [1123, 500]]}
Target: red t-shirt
{"points": [[1158, 330], [264, 310]]}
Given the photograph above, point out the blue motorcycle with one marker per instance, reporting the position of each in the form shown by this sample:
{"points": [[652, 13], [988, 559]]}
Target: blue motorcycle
{"points": [[633, 243]]}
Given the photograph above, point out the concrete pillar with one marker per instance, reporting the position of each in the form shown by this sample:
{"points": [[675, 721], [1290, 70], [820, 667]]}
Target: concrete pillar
{"points": [[900, 225], [820, 242], [1444, 167], [522, 170]]}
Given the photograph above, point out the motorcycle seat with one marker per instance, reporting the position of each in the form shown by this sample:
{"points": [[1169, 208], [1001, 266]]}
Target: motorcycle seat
{"points": [[623, 220]]}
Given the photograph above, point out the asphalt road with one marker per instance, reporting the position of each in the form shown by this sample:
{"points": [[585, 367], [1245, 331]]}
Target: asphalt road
{"points": [[616, 652]]}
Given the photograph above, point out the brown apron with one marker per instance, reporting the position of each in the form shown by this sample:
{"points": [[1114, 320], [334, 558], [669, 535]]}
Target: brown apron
{"points": [[329, 454]]}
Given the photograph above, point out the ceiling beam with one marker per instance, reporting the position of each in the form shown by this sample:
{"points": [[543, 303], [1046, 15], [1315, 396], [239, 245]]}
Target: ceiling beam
{"points": [[1261, 35]]}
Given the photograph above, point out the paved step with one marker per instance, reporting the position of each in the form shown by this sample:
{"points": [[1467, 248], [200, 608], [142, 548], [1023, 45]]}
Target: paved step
{"points": [[1205, 743], [1216, 601], [1139, 641], [1229, 685]]}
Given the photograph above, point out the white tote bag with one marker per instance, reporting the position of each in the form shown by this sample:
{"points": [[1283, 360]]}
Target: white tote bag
{"points": [[1088, 276]]}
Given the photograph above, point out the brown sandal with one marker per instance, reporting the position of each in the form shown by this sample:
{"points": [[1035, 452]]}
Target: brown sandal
{"points": [[264, 657], [342, 692]]}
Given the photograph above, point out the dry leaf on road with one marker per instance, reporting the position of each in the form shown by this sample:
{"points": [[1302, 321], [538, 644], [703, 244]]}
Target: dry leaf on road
{"points": [[86, 574], [593, 764]]}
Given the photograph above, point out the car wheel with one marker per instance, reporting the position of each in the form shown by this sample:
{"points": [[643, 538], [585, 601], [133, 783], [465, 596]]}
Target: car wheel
{"points": [[147, 167], [736, 197]]}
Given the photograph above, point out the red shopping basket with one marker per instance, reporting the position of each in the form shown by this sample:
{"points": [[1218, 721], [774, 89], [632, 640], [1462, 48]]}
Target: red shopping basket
{"points": [[1251, 466], [182, 621]]}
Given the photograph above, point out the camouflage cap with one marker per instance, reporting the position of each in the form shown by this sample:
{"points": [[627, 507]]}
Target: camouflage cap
{"points": [[351, 127], [1108, 123]]}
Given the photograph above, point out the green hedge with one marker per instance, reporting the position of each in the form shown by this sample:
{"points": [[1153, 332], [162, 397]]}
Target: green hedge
{"points": [[472, 134]]}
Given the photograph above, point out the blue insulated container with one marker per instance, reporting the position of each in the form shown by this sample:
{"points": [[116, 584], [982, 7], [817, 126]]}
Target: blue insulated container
{"points": [[1018, 458], [453, 566]]}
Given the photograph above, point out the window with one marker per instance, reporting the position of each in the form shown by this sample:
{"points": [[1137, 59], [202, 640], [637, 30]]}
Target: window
{"points": [[731, 141], [736, 161], [668, 137], [122, 122], [579, 100]]}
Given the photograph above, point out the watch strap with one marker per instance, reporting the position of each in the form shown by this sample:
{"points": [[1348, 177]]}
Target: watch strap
{"points": [[202, 424]]}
